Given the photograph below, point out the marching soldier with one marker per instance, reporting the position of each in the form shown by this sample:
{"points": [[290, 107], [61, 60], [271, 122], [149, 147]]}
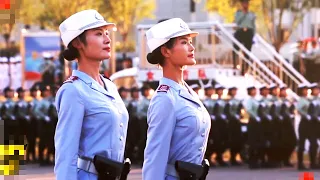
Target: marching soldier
{"points": [[44, 126], [21, 111], [266, 123], [288, 139], [222, 125], [304, 126], [255, 133], [133, 125], [275, 126], [142, 111], [32, 128], [208, 102], [124, 95], [314, 112], [233, 112], [53, 115], [10, 121]]}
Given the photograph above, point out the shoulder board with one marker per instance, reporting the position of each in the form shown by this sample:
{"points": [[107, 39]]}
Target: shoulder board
{"points": [[163, 88], [71, 79]]}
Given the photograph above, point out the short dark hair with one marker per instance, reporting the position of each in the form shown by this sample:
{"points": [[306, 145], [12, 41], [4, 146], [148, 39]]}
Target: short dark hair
{"points": [[71, 53]]}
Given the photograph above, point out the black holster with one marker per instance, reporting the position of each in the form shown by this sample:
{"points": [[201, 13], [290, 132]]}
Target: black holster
{"points": [[111, 170], [190, 171]]}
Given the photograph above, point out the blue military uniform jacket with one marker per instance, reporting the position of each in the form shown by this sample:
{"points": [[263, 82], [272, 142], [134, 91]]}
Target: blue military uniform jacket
{"points": [[179, 125], [91, 120]]}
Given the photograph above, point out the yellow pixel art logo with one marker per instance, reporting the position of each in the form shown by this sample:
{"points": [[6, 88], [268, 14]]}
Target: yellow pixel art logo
{"points": [[9, 11], [10, 159]]}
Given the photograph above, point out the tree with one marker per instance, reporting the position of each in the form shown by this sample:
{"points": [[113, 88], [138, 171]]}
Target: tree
{"points": [[50, 13], [126, 13], [6, 26], [269, 14]]}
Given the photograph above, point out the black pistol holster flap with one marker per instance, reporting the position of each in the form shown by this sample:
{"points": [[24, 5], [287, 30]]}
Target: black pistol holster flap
{"points": [[188, 170], [107, 167]]}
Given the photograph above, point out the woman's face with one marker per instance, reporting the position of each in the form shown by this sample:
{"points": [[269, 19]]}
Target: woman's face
{"points": [[98, 44], [182, 53]]}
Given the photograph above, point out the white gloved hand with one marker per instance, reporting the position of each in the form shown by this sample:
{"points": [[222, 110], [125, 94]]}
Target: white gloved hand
{"points": [[47, 119], [258, 119]]}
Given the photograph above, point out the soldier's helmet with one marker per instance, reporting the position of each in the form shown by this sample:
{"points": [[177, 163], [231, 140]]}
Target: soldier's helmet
{"points": [[45, 88], [122, 89], [34, 88], [7, 89], [20, 89]]}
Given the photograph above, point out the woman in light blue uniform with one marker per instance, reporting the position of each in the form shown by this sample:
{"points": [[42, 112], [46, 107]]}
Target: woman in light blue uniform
{"points": [[92, 118], [179, 123]]}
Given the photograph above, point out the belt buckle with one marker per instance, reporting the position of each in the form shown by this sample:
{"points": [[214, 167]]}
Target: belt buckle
{"points": [[245, 29]]}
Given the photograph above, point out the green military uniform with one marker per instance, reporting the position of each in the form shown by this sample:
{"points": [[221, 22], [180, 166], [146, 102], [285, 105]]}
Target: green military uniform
{"points": [[44, 125], [124, 99], [245, 32], [22, 113], [142, 111], [32, 128], [209, 103], [133, 134], [7, 110], [255, 133], [233, 112], [305, 130], [314, 124], [53, 115], [245, 21], [10, 122], [221, 137], [288, 137]]}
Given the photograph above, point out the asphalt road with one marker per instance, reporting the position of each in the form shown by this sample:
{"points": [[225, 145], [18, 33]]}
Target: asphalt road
{"points": [[34, 172]]}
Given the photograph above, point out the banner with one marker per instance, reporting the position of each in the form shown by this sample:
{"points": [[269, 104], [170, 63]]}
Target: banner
{"points": [[39, 51]]}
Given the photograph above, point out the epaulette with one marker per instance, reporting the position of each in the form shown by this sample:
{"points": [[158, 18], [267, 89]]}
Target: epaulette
{"points": [[163, 88], [71, 79]]}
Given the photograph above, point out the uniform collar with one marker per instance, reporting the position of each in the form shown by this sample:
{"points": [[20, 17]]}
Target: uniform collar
{"points": [[92, 83]]}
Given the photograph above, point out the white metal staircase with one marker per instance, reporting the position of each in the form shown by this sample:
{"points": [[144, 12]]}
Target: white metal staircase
{"points": [[275, 70]]}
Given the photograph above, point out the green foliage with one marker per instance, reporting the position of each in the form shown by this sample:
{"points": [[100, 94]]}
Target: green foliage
{"points": [[126, 13]]}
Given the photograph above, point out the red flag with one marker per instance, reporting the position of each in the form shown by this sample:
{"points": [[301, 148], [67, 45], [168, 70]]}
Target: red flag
{"points": [[150, 75], [307, 176], [185, 74], [202, 74], [4, 4]]}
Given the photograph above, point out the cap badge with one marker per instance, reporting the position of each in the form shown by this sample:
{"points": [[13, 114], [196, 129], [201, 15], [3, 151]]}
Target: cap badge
{"points": [[183, 26]]}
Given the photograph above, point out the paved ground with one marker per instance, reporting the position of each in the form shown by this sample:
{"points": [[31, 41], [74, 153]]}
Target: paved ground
{"points": [[34, 172]]}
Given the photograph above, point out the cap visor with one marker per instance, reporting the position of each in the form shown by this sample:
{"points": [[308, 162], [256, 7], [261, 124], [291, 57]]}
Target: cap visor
{"points": [[108, 25], [191, 33]]}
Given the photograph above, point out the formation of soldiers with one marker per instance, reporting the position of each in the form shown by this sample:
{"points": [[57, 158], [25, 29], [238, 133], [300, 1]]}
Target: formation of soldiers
{"points": [[29, 122], [137, 128], [269, 137], [267, 140]]}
